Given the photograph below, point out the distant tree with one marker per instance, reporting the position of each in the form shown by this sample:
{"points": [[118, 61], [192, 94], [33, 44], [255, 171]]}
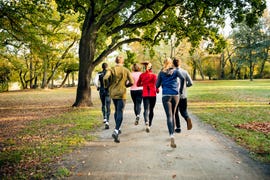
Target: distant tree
{"points": [[69, 68], [251, 47]]}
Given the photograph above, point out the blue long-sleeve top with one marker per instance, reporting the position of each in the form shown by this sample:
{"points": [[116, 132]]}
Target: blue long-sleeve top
{"points": [[169, 82]]}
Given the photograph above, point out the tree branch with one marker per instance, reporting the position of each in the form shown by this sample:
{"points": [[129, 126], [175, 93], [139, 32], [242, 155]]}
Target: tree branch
{"points": [[107, 16], [112, 47], [141, 24]]}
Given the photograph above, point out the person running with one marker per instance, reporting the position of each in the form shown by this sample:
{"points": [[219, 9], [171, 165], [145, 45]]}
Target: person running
{"points": [[148, 81], [104, 95], [168, 80], [117, 79], [182, 105], [136, 92]]}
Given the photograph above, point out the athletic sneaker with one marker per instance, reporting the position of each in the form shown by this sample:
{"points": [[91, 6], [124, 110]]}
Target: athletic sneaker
{"points": [[104, 121], [147, 129], [115, 136], [189, 124], [107, 125], [137, 120], [173, 145], [177, 130]]}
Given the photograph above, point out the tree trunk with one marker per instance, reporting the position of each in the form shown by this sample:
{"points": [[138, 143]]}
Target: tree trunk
{"points": [[265, 53], [65, 79], [250, 66], [199, 65], [194, 67], [237, 73], [73, 79], [86, 51], [31, 72], [21, 79], [83, 97], [44, 78], [251, 70], [222, 66]]}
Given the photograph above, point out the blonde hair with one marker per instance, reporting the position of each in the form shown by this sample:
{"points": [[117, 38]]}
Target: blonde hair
{"points": [[167, 64]]}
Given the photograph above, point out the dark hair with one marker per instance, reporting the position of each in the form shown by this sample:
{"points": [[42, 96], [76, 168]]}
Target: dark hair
{"points": [[176, 62], [104, 65], [136, 67]]}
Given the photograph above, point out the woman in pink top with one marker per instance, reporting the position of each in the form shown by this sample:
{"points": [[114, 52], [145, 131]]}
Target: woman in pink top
{"points": [[136, 92]]}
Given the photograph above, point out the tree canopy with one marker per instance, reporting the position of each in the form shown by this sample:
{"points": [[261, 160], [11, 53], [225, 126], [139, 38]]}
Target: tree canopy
{"points": [[107, 25]]}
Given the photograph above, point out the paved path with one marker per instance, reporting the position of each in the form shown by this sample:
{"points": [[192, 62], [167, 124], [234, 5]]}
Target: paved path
{"points": [[201, 154]]}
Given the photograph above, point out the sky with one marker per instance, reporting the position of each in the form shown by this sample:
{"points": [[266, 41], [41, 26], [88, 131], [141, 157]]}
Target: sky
{"points": [[227, 29]]}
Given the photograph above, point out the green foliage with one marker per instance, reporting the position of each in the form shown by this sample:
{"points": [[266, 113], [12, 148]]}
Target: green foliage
{"points": [[37, 36], [4, 76], [131, 59], [227, 104], [62, 172], [252, 45], [121, 22]]}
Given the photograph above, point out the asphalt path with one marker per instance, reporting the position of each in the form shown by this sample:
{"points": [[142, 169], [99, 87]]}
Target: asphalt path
{"points": [[201, 153]]}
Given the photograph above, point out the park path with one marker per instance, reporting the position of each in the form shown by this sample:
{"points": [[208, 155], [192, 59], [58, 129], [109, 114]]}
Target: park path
{"points": [[201, 153]]}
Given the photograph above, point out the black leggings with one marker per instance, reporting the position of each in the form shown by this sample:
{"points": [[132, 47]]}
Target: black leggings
{"points": [[119, 105], [149, 104], [170, 106], [136, 96], [182, 107], [105, 106]]}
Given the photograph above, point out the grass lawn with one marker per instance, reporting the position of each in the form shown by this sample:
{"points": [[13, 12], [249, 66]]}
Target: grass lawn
{"points": [[39, 126], [239, 109]]}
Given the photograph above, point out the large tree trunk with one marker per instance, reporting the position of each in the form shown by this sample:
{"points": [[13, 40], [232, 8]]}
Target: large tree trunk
{"points": [[83, 97], [86, 67]]}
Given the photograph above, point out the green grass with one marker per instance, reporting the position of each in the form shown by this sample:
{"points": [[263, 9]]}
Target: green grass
{"points": [[42, 142], [32, 152], [226, 104]]}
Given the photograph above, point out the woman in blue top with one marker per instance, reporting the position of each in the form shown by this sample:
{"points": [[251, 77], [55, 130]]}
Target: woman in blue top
{"points": [[168, 79]]}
